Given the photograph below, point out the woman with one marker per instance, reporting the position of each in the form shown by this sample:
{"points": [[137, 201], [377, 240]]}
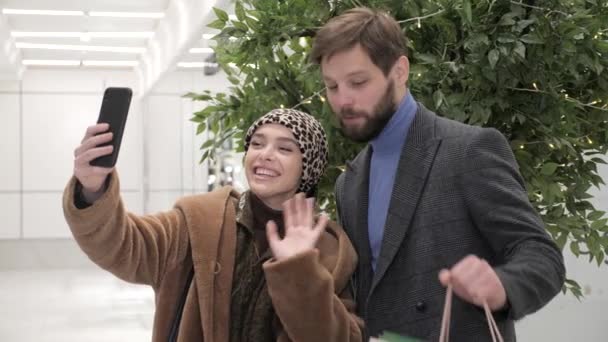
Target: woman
{"points": [[224, 266]]}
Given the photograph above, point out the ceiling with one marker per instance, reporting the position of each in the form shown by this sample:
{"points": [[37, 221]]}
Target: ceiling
{"points": [[150, 46]]}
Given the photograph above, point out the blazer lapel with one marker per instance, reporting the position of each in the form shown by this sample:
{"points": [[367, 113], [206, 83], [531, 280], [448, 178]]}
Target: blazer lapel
{"points": [[356, 195], [414, 165]]}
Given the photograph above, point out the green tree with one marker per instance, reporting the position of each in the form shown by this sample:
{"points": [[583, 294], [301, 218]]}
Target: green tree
{"points": [[535, 70]]}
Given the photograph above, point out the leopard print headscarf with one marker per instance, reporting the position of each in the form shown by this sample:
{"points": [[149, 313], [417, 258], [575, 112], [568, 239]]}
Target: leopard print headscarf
{"points": [[311, 139]]}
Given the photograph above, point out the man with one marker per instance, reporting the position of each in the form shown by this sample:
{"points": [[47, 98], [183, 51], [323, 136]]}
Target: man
{"points": [[428, 198]]}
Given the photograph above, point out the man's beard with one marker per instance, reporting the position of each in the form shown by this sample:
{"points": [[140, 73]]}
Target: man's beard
{"points": [[375, 121]]}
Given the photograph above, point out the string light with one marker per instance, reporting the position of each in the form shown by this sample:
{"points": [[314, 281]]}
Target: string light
{"points": [[534, 85], [521, 147], [321, 98], [552, 146]]}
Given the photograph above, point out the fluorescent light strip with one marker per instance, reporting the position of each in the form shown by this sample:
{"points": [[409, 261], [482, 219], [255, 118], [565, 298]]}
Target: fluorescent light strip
{"points": [[110, 63], [23, 34], [29, 34], [80, 47], [69, 62], [51, 62], [196, 64], [201, 50], [152, 15], [41, 12], [148, 34]]}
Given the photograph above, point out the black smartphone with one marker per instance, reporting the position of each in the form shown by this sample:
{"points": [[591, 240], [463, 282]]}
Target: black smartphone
{"points": [[114, 110]]}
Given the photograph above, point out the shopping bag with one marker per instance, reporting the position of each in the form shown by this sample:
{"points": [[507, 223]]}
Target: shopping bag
{"points": [[445, 321], [445, 325], [391, 337]]}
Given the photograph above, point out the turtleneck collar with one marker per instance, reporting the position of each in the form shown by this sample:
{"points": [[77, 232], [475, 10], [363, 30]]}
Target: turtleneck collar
{"points": [[263, 213], [254, 214]]}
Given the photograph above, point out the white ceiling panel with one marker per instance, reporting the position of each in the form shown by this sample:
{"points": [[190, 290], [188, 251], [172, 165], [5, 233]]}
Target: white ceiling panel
{"points": [[124, 42], [53, 54], [78, 23], [88, 5], [180, 29]]}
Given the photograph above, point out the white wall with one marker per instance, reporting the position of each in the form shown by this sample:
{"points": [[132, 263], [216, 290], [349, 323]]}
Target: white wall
{"points": [[171, 147], [46, 115]]}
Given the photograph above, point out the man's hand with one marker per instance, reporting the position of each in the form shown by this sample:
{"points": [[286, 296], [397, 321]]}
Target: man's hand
{"points": [[91, 177], [475, 281], [301, 234]]}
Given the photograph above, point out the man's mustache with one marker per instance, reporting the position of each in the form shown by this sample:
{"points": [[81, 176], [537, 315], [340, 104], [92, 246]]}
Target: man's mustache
{"points": [[349, 113]]}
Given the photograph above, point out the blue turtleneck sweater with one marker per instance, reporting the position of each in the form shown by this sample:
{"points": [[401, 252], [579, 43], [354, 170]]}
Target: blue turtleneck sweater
{"points": [[387, 147]]}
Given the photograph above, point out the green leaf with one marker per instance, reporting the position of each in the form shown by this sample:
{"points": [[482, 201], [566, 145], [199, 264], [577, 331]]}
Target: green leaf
{"points": [[574, 247], [201, 128], [531, 38], [507, 19], [476, 40], [197, 119], [426, 58], [438, 98], [599, 258], [204, 157], [199, 97], [599, 224], [234, 80], [522, 24], [520, 49], [595, 215], [506, 38], [493, 56], [548, 169], [240, 26], [467, 11], [208, 143], [561, 240], [239, 11], [572, 282], [221, 14], [217, 24]]}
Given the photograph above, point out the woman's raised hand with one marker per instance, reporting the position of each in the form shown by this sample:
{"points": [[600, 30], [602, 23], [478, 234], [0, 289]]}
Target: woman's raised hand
{"points": [[301, 232]]}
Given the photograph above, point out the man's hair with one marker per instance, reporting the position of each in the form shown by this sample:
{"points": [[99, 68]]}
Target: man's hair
{"points": [[377, 32]]}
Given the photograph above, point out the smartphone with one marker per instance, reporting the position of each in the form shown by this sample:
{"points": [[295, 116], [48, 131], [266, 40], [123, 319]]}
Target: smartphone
{"points": [[114, 110]]}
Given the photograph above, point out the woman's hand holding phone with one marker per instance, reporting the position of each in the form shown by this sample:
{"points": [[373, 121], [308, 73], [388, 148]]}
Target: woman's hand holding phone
{"points": [[91, 177]]}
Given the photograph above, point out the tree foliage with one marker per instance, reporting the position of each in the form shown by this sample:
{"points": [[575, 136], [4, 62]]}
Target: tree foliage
{"points": [[535, 70]]}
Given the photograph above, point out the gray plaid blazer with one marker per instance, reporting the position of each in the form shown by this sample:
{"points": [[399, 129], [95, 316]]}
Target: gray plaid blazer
{"points": [[457, 192]]}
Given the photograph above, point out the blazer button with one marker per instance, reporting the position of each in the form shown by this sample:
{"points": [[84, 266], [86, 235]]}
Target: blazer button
{"points": [[421, 306]]}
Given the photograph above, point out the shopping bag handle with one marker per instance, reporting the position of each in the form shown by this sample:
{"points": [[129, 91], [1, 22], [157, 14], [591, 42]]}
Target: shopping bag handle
{"points": [[445, 321]]}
